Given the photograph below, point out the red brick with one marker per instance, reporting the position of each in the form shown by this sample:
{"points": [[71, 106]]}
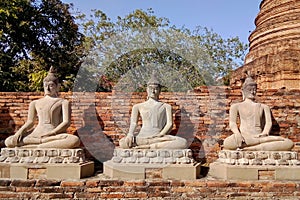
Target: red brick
{"points": [[9, 195], [135, 183], [196, 183], [44, 182], [110, 183], [26, 189], [94, 190], [53, 189], [72, 183], [135, 195], [92, 183], [182, 189], [112, 195], [217, 184], [5, 182], [23, 183]]}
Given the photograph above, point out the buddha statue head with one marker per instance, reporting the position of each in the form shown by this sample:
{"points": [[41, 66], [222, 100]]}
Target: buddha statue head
{"points": [[249, 88], [51, 83], [153, 87]]}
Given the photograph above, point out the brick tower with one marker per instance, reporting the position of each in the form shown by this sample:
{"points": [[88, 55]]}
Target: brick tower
{"points": [[274, 55]]}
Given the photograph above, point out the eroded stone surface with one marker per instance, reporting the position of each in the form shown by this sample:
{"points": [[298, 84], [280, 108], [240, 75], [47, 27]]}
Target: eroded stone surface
{"points": [[153, 156], [272, 158], [26, 155]]}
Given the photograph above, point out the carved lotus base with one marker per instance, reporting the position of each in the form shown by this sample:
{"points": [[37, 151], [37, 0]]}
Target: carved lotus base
{"points": [[265, 158], [153, 156], [256, 165], [27, 155], [149, 164], [26, 163]]}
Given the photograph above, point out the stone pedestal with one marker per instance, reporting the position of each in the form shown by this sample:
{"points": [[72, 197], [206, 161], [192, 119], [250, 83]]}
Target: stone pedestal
{"points": [[256, 165], [24, 163], [147, 164]]}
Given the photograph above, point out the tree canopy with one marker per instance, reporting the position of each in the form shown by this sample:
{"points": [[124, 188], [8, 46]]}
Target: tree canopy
{"points": [[37, 34], [140, 39]]}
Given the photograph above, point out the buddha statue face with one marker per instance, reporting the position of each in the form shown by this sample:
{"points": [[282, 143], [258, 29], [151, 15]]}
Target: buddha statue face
{"points": [[153, 91], [51, 84], [50, 88]]}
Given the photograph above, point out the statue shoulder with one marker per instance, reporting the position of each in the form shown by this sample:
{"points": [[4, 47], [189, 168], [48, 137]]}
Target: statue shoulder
{"points": [[236, 105], [265, 106], [64, 101], [166, 105]]}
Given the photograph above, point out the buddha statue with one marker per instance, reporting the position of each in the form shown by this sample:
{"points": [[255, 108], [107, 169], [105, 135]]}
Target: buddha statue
{"points": [[255, 124], [156, 123], [54, 116]]}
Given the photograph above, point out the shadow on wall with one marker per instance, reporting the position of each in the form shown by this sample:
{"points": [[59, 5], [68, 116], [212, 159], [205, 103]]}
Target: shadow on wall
{"points": [[7, 125], [275, 130], [99, 147], [185, 128]]}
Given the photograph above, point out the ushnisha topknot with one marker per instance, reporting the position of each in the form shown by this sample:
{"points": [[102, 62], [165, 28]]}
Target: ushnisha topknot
{"points": [[153, 80], [51, 76], [249, 81]]}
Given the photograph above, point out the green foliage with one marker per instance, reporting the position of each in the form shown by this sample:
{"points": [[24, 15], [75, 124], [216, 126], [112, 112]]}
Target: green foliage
{"points": [[140, 39], [37, 34]]}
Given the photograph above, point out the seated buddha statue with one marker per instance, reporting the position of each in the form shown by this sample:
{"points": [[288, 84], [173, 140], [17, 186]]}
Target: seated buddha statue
{"points": [[255, 124], [156, 123], [54, 117]]}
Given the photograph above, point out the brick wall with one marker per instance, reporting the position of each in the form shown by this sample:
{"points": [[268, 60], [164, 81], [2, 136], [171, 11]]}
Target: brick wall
{"points": [[147, 189], [101, 119]]}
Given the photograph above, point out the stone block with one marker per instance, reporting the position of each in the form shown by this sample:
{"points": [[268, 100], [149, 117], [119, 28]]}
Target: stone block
{"points": [[256, 165], [253, 172], [152, 163], [24, 163], [144, 171], [48, 171]]}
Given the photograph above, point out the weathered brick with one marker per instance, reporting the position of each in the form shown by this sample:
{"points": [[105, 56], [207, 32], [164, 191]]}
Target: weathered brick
{"points": [[7, 188], [9, 195], [136, 195], [56, 196], [46, 182], [92, 183], [196, 183], [27, 189], [110, 183], [94, 190], [158, 183], [53, 189], [23, 183], [112, 195], [182, 189], [217, 184], [72, 183], [135, 183], [5, 182]]}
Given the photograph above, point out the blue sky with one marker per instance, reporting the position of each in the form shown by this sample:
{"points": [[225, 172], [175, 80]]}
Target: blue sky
{"points": [[228, 18]]}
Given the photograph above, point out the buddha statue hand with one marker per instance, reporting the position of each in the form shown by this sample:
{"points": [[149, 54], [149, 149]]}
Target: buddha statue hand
{"points": [[17, 138], [53, 137], [129, 140], [155, 136], [261, 135]]}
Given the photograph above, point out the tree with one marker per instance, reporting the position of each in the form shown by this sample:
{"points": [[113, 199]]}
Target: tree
{"points": [[141, 38], [37, 34]]}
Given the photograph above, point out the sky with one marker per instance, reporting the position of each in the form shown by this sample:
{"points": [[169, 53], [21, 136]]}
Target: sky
{"points": [[229, 18]]}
